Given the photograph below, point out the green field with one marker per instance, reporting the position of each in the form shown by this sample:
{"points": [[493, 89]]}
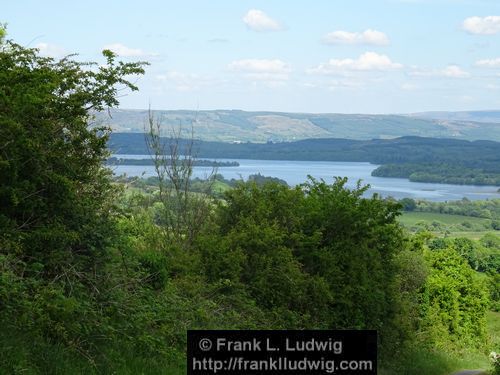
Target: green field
{"points": [[412, 218], [447, 225], [493, 321]]}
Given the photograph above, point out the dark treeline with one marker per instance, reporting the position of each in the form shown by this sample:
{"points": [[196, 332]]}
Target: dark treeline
{"points": [[378, 151], [488, 209], [196, 163], [420, 159], [458, 173]]}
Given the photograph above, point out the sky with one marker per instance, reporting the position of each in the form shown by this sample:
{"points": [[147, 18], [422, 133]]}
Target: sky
{"points": [[329, 56]]}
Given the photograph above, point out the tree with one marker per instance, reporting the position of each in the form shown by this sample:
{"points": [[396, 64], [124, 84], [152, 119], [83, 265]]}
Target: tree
{"points": [[57, 216], [183, 212], [453, 301], [408, 204], [319, 251], [2, 33], [54, 190]]}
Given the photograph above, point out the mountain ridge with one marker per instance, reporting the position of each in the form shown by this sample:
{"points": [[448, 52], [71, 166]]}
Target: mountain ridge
{"points": [[265, 126]]}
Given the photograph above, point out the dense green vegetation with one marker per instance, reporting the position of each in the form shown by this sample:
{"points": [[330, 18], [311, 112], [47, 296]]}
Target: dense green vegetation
{"points": [[378, 151], [419, 159], [488, 209], [102, 276], [215, 188], [439, 173], [471, 227], [465, 215]]}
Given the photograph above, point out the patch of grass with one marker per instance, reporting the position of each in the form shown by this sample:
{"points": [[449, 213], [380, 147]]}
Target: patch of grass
{"points": [[220, 187], [446, 225], [470, 235], [421, 361], [23, 353], [412, 218], [428, 362], [493, 324]]}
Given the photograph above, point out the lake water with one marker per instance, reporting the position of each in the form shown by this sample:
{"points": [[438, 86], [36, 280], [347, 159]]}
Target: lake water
{"points": [[295, 172]]}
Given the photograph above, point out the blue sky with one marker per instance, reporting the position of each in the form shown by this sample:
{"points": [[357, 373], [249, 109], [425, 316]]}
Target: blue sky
{"points": [[377, 56]]}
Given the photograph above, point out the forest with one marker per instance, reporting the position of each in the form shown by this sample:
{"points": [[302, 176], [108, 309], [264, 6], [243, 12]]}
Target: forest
{"points": [[455, 173], [419, 159], [101, 276]]}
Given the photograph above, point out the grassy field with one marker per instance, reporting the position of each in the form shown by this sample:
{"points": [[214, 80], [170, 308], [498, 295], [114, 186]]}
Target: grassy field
{"points": [[448, 225], [412, 218], [493, 319]]}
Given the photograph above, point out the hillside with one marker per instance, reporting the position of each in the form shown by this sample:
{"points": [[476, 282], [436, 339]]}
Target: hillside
{"points": [[461, 116], [241, 126]]}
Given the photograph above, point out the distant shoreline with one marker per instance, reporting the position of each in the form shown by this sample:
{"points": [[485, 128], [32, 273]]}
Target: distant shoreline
{"points": [[147, 162]]}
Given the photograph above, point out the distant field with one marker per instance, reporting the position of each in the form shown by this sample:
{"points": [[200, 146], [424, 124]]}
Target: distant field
{"points": [[472, 235], [449, 225], [411, 218]]}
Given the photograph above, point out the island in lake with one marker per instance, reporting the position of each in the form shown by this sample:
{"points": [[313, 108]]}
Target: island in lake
{"points": [[150, 161]]}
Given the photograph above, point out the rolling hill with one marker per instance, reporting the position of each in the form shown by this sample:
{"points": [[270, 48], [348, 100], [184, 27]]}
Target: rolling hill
{"points": [[241, 126]]}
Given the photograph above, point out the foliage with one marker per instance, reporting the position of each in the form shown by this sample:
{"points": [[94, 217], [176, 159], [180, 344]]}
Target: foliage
{"points": [[488, 209], [408, 204], [197, 163], [495, 359], [404, 150], [479, 258], [54, 193], [56, 199], [320, 251], [462, 218], [183, 213], [494, 287], [3, 33], [454, 302], [419, 159], [457, 173], [94, 279]]}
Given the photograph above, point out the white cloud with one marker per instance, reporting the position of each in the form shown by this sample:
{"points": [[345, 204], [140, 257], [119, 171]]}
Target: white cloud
{"points": [[257, 20], [482, 25], [451, 71], [369, 36], [262, 69], [368, 61], [183, 81], [454, 71], [51, 50], [260, 66], [124, 51], [489, 63], [270, 73]]}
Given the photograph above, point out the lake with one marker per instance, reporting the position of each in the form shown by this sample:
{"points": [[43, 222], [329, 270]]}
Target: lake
{"points": [[295, 172]]}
